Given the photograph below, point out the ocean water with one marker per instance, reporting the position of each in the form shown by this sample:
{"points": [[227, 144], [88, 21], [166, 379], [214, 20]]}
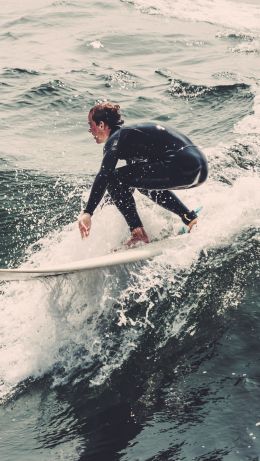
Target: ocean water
{"points": [[157, 360]]}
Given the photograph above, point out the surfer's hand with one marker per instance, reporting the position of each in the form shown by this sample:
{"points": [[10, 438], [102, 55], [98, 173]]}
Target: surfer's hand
{"points": [[84, 224]]}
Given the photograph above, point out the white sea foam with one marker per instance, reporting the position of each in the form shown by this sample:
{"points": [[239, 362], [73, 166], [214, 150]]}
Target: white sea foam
{"points": [[28, 340], [223, 12], [96, 44], [251, 123], [44, 323], [249, 47]]}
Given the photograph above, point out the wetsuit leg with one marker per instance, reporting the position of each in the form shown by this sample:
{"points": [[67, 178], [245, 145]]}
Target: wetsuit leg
{"points": [[122, 196], [180, 172], [167, 200]]}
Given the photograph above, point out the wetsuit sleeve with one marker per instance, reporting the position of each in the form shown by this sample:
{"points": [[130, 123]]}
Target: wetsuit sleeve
{"points": [[100, 183]]}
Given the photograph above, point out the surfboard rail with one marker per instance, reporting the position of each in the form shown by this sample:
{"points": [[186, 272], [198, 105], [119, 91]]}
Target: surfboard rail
{"points": [[112, 259], [116, 258]]}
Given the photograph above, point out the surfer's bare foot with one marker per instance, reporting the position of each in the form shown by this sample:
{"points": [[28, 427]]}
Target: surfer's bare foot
{"points": [[138, 235], [194, 222]]}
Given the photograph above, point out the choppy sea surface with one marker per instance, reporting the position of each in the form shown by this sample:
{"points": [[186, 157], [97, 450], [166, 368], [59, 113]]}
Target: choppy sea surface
{"points": [[157, 360]]}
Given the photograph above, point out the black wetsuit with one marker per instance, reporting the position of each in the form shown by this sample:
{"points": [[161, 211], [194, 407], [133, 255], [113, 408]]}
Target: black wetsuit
{"points": [[157, 159]]}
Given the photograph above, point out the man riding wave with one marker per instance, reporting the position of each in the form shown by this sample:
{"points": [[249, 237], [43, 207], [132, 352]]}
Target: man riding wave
{"points": [[158, 159]]}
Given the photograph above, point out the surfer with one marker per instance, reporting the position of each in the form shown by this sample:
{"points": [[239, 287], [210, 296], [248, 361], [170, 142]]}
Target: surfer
{"points": [[158, 159]]}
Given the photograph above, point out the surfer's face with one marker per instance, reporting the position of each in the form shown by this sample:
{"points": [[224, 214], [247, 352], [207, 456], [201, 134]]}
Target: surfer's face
{"points": [[99, 131]]}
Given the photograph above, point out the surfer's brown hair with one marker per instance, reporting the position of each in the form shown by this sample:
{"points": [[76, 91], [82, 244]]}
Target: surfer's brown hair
{"points": [[108, 113]]}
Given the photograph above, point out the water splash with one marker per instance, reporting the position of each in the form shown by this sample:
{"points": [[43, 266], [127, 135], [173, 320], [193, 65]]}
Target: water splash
{"points": [[92, 322]]}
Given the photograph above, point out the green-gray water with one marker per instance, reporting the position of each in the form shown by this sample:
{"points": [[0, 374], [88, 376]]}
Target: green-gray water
{"points": [[158, 360]]}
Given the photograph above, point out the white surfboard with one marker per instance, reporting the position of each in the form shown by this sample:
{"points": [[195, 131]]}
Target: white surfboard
{"points": [[127, 256], [112, 259]]}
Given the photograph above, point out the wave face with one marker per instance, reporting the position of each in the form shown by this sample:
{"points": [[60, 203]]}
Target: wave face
{"points": [[156, 360]]}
